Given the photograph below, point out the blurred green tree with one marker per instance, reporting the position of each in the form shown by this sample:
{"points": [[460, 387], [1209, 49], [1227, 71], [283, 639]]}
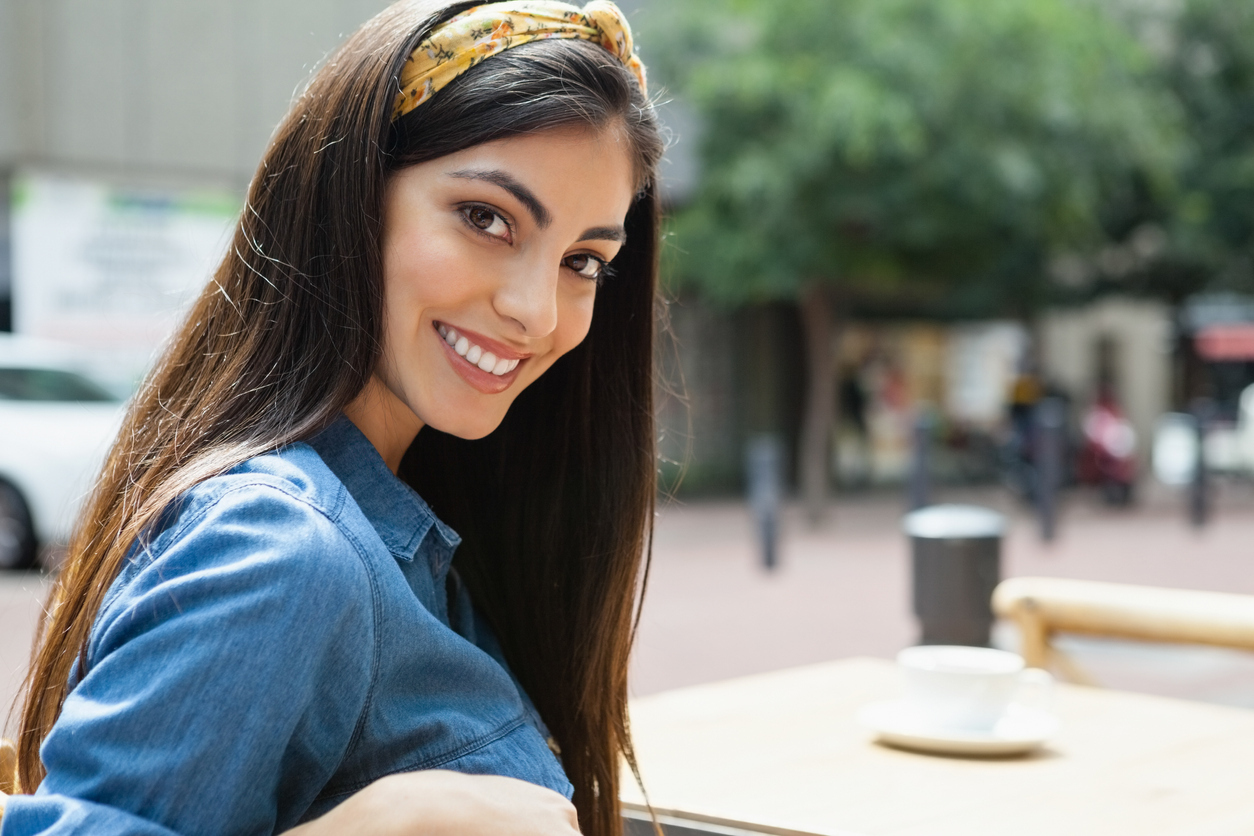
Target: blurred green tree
{"points": [[1200, 235], [920, 154], [1210, 69]]}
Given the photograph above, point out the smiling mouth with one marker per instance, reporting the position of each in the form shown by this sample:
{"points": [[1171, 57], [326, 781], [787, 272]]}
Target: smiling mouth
{"points": [[476, 355]]}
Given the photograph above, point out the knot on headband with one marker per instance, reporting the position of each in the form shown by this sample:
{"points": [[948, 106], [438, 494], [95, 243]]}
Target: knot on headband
{"points": [[483, 31]]}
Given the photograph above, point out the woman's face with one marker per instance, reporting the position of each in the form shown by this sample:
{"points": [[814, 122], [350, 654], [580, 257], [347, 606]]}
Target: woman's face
{"points": [[491, 258]]}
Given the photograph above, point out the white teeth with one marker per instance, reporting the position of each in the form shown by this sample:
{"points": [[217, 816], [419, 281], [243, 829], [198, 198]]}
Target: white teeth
{"points": [[485, 360]]}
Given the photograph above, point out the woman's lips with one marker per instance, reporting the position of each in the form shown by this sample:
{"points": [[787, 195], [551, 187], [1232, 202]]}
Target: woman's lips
{"points": [[485, 364]]}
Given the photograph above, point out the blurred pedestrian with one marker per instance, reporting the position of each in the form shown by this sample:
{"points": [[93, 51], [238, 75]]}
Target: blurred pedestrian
{"points": [[853, 409], [1108, 455], [1025, 395]]}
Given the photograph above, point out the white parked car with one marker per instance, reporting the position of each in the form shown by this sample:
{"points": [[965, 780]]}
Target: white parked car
{"points": [[56, 426]]}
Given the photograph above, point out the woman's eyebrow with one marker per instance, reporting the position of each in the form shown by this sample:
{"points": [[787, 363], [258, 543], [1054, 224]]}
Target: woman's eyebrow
{"points": [[605, 233], [507, 182]]}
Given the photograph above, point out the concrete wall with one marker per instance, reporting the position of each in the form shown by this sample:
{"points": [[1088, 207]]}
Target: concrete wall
{"points": [[185, 92], [190, 88], [1140, 331], [8, 81]]}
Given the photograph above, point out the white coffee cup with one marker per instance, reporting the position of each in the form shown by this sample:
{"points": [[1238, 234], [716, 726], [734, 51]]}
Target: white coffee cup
{"points": [[967, 688]]}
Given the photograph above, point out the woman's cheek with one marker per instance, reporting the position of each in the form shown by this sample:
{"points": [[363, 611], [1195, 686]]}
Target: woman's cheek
{"points": [[580, 319]]}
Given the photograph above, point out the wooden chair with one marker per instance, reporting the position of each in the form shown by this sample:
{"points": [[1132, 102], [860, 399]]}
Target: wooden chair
{"points": [[1044, 607], [8, 771]]}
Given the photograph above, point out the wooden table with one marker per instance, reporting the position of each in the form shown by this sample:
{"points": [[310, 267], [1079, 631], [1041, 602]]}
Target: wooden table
{"points": [[783, 753]]}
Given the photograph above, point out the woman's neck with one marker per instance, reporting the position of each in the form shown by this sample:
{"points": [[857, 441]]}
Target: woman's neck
{"points": [[385, 421]]}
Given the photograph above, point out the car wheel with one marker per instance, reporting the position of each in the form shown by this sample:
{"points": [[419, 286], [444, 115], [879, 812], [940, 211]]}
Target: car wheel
{"points": [[17, 534]]}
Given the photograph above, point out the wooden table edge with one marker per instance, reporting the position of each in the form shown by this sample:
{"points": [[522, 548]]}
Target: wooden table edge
{"points": [[679, 817]]}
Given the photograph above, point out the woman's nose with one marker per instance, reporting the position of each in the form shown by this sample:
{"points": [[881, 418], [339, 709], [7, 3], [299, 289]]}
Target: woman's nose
{"points": [[528, 296]]}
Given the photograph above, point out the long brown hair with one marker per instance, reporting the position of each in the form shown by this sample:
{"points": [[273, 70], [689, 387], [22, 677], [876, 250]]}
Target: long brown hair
{"points": [[288, 332]]}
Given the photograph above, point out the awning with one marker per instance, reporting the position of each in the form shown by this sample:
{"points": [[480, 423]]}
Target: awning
{"points": [[1226, 342]]}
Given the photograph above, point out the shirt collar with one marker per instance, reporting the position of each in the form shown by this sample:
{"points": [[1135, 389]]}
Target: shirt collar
{"points": [[398, 514]]}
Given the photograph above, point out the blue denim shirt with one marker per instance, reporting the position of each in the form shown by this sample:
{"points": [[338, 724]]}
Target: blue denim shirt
{"points": [[292, 634]]}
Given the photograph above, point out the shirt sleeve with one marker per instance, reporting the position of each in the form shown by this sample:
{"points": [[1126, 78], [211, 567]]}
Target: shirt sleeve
{"points": [[225, 680]]}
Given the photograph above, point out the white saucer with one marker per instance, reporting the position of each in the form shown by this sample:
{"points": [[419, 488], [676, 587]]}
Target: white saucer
{"points": [[1021, 729]]}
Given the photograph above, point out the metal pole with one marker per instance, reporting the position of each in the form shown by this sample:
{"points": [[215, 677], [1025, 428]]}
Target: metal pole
{"points": [[770, 541], [918, 495], [764, 460], [1199, 490], [1050, 422]]}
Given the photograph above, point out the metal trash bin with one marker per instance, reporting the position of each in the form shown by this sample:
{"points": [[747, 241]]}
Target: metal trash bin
{"points": [[956, 562]]}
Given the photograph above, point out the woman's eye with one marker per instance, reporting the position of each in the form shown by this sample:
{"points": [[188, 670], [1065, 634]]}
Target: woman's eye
{"points": [[588, 266], [485, 220]]}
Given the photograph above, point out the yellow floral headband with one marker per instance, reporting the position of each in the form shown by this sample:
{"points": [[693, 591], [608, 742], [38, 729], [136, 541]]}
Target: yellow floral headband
{"points": [[483, 31]]}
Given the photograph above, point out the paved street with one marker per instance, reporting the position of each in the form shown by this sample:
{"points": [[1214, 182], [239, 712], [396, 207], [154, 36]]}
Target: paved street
{"points": [[711, 612]]}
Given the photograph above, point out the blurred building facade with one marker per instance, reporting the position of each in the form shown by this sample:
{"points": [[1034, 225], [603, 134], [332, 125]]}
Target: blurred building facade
{"points": [[1125, 345], [737, 374], [155, 90], [129, 130]]}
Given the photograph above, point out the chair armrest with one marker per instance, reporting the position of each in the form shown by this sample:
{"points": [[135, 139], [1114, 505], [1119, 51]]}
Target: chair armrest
{"points": [[8, 769], [1117, 610]]}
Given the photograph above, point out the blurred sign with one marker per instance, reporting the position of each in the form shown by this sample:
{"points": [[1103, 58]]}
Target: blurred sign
{"points": [[982, 363], [111, 268]]}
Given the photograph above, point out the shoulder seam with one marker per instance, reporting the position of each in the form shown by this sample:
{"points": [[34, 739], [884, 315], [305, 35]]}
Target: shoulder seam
{"points": [[196, 518]]}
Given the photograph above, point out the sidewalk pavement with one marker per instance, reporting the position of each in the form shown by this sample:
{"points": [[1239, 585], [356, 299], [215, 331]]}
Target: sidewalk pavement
{"points": [[843, 589]]}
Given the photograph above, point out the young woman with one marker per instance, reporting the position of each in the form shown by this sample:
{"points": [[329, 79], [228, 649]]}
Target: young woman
{"points": [[438, 301]]}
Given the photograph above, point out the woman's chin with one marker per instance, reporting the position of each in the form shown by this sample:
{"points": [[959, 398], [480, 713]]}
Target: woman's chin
{"points": [[465, 428]]}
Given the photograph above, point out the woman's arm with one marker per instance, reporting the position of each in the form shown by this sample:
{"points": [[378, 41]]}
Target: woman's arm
{"points": [[227, 674], [443, 803]]}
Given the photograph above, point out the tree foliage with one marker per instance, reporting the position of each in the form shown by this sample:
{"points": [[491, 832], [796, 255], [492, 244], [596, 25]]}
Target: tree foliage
{"points": [[1210, 70], [908, 150]]}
